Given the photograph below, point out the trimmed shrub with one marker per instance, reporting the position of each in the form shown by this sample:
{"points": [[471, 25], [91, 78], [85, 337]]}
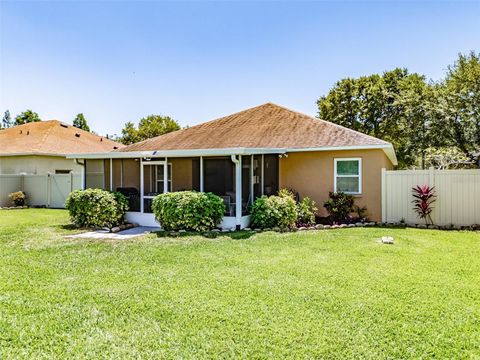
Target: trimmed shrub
{"points": [[96, 208], [18, 198], [188, 210], [274, 211], [339, 206], [306, 210]]}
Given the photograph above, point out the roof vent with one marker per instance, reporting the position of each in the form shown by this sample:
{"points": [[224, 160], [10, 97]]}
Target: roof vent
{"points": [[64, 125], [77, 134]]}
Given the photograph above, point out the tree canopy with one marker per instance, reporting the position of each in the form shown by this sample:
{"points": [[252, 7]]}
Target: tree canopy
{"points": [[148, 127], [80, 122], [411, 113], [27, 116], [457, 107]]}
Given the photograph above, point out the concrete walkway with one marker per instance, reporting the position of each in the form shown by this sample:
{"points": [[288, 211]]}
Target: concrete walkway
{"points": [[121, 235]]}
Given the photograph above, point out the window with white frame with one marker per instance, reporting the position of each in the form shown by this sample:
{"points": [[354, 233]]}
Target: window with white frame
{"points": [[159, 178], [348, 175]]}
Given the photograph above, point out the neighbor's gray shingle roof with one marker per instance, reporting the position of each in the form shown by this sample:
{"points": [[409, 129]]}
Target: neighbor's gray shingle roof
{"points": [[264, 126]]}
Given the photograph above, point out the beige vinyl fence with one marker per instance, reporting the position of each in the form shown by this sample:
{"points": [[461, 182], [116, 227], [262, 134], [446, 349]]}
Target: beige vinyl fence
{"points": [[42, 190], [457, 202]]}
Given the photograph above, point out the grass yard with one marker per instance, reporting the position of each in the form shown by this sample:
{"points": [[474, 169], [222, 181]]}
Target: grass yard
{"points": [[322, 294]]}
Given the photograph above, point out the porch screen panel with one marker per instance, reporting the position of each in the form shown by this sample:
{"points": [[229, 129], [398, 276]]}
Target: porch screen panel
{"points": [[271, 174], [130, 182], [246, 180], [257, 176], [94, 174], [219, 175], [196, 174]]}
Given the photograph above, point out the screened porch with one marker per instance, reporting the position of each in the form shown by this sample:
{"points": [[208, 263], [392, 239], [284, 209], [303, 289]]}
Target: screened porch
{"points": [[237, 179]]}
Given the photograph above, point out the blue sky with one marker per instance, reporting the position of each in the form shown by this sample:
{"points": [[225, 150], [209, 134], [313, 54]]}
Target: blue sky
{"points": [[196, 61]]}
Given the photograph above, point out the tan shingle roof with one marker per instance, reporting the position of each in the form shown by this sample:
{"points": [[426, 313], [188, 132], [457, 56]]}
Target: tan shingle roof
{"points": [[51, 138], [264, 126]]}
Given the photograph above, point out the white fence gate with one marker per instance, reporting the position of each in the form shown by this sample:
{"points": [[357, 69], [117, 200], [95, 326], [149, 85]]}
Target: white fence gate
{"points": [[42, 190], [457, 202]]}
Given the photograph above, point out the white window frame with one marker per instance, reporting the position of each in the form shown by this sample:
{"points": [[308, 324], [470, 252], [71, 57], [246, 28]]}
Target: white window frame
{"points": [[360, 171], [157, 181]]}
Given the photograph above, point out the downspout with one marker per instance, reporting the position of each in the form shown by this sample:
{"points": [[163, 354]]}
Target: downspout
{"points": [[83, 175], [238, 190]]}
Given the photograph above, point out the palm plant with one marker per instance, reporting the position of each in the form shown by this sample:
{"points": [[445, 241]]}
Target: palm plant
{"points": [[424, 197]]}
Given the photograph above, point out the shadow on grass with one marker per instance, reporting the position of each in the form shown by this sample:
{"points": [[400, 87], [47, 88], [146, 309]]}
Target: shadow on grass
{"points": [[65, 227], [235, 235]]}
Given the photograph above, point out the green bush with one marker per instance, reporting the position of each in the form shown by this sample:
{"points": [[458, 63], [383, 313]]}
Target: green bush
{"points": [[306, 210], [339, 206], [274, 211], [188, 210], [96, 208], [18, 198]]}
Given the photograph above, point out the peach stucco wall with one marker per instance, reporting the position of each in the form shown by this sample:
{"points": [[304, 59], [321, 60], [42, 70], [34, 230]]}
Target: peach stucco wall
{"points": [[312, 173]]}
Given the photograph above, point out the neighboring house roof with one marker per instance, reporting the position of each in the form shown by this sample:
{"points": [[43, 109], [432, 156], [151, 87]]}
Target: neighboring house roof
{"points": [[264, 126], [51, 138]]}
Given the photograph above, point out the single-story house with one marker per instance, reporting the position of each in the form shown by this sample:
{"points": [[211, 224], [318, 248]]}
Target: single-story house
{"points": [[33, 159], [42, 147], [246, 155]]}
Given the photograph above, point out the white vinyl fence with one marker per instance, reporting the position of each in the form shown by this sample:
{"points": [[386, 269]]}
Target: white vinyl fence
{"points": [[42, 190], [457, 202]]}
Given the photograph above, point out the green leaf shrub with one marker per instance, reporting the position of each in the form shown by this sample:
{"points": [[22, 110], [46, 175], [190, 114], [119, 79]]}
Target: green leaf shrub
{"points": [[339, 206], [96, 208], [188, 210], [306, 210], [274, 211]]}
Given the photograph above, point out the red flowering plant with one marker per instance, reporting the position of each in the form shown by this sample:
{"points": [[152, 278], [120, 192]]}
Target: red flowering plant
{"points": [[424, 197]]}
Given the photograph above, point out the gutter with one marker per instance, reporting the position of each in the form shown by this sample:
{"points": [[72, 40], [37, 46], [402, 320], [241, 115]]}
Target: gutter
{"points": [[387, 148]]}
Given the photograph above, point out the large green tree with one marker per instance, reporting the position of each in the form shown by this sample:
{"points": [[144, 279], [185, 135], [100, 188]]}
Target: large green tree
{"points": [[457, 106], [26, 117], [129, 134], [148, 127], [80, 122], [392, 106]]}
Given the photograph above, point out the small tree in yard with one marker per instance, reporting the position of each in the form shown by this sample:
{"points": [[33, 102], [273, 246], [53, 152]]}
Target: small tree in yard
{"points": [[424, 198]]}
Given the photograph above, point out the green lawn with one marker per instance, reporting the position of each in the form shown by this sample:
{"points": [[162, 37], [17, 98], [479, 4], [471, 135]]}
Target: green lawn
{"points": [[320, 294]]}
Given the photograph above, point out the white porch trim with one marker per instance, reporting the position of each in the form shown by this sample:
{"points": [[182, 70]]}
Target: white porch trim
{"points": [[165, 176], [251, 179], [111, 174], [201, 173], [387, 148], [148, 219], [238, 189]]}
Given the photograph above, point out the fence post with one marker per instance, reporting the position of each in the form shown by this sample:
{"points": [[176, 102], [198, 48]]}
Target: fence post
{"points": [[384, 195], [49, 189], [431, 181]]}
